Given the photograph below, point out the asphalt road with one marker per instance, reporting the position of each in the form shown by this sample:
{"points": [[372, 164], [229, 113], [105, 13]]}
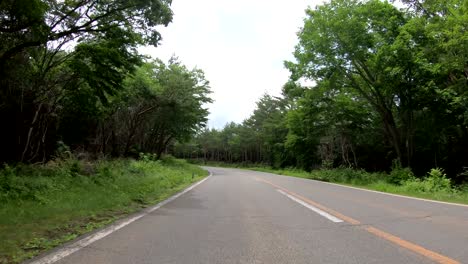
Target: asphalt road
{"points": [[239, 216]]}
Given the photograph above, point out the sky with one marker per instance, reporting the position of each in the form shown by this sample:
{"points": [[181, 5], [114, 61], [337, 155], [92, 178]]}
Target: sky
{"points": [[239, 44]]}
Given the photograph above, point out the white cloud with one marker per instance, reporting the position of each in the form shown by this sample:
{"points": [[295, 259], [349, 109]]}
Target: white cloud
{"points": [[240, 45]]}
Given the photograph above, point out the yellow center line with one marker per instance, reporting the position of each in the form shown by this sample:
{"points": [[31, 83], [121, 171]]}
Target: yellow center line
{"points": [[375, 231]]}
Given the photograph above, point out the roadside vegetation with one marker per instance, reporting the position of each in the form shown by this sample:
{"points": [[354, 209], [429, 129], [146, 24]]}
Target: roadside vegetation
{"points": [[42, 206], [78, 104], [376, 87], [377, 97], [71, 75], [435, 185]]}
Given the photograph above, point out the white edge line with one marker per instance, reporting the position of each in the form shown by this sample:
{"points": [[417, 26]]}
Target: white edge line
{"points": [[367, 190], [72, 248], [385, 193], [313, 208]]}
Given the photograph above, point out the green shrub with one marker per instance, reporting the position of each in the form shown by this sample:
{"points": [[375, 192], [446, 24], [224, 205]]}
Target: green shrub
{"points": [[75, 168], [327, 164], [346, 175], [147, 157], [435, 181], [13, 186], [463, 188], [44, 205], [414, 186], [399, 175], [435, 185]]}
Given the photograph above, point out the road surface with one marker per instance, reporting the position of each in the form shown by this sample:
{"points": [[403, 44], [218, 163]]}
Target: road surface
{"points": [[240, 216]]}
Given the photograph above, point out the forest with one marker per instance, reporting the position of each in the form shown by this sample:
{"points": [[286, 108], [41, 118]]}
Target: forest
{"points": [[72, 81], [377, 98], [86, 118], [373, 86]]}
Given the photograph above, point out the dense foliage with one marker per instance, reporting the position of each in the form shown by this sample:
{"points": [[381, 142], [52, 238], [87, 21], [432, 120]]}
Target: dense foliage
{"points": [[71, 76], [43, 206], [389, 89]]}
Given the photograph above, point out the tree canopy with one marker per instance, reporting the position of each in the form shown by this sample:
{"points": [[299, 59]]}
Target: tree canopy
{"points": [[388, 87], [70, 74]]}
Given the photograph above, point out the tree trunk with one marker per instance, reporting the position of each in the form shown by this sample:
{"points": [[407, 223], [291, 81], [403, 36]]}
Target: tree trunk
{"points": [[392, 133]]}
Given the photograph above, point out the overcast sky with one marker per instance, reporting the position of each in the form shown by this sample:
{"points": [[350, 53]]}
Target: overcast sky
{"points": [[239, 44]]}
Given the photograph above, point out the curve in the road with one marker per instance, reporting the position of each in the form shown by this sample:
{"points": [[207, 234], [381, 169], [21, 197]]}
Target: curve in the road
{"points": [[375, 231]]}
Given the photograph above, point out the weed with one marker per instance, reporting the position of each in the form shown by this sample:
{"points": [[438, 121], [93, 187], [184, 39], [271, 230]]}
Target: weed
{"points": [[42, 206]]}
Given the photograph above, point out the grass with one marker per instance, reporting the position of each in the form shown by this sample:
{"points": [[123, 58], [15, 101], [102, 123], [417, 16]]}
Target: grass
{"points": [[243, 165], [42, 206], [434, 185]]}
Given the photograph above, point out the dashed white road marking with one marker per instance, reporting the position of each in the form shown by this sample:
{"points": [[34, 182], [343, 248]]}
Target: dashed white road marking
{"points": [[313, 208]]}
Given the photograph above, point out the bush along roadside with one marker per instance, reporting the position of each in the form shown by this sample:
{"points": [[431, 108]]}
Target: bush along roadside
{"points": [[435, 185], [42, 206]]}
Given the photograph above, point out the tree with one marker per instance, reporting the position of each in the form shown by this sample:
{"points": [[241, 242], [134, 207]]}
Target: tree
{"points": [[161, 103], [332, 127], [268, 124], [52, 50], [355, 45], [409, 66], [35, 23]]}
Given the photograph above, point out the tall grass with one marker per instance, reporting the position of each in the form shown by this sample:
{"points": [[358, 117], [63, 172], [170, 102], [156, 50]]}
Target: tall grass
{"points": [[42, 206]]}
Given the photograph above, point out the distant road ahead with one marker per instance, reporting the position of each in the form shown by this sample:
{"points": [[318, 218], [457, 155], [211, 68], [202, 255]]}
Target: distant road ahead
{"points": [[240, 216]]}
